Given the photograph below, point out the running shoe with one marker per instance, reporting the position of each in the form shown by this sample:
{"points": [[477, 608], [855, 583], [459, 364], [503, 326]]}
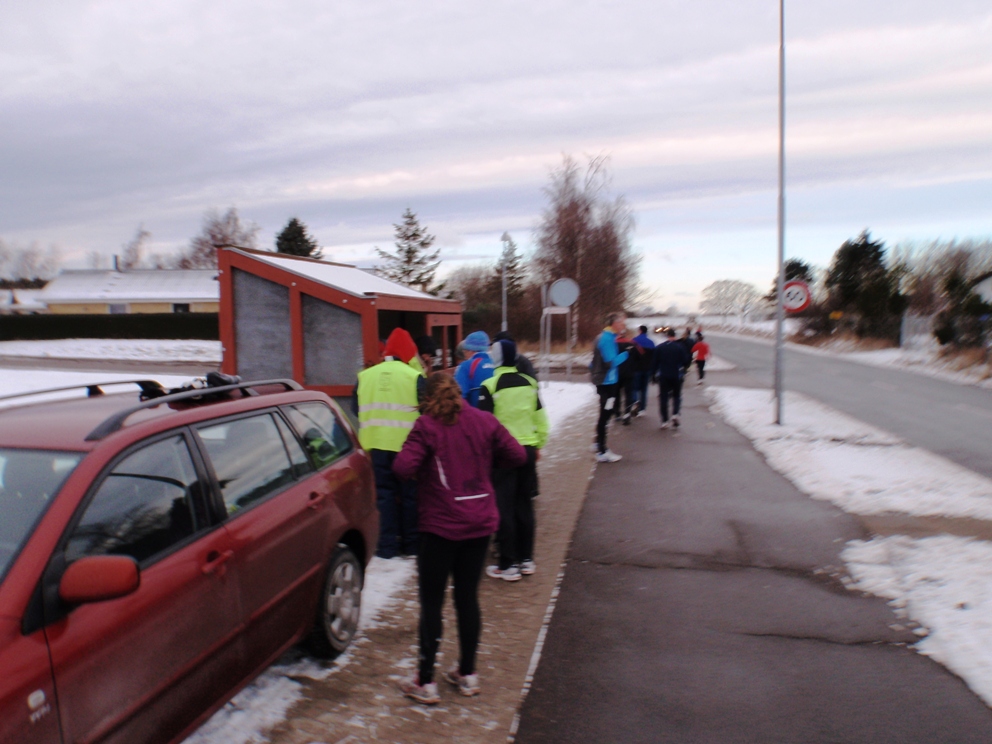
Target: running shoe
{"points": [[527, 568], [426, 694], [608, 457], [467, 684], [507, 574]]}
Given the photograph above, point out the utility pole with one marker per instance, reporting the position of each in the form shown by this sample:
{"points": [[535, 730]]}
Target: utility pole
{"points": [[506, 248]]}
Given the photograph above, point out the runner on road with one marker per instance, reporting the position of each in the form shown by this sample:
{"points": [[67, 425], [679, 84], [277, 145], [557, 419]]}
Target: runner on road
{"points": [[670, 361], [606, 357]]}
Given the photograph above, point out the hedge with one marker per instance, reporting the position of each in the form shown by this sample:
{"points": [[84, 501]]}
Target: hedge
{"points": [[157, 325]]}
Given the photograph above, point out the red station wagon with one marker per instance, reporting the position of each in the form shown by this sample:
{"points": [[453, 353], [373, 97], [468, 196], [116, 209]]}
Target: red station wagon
{"points": [[159, 549]]}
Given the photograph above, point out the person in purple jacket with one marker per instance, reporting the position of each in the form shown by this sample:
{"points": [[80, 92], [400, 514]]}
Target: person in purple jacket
{"points": [[451, 451]]}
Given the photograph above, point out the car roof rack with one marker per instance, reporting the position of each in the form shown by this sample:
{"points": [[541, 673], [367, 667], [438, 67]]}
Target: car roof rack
{"points": [[115, 422], [93, 389]]}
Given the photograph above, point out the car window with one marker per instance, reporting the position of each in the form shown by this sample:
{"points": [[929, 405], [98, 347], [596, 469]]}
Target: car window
{"points": [[301, 465], [249, 459], [142, 507], [29, 480], [324, 436]]}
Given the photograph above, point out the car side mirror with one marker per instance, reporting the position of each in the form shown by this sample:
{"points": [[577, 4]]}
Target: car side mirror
{"points": [[97, 578]]}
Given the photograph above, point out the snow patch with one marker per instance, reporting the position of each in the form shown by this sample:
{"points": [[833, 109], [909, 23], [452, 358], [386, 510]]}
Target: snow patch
{"points": [[944, 583], [561, 400], [147, 350], [862, 469]]}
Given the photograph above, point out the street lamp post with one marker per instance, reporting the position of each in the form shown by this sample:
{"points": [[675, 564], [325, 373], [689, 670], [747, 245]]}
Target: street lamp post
{"points": [[780, 308], [506, 246]]}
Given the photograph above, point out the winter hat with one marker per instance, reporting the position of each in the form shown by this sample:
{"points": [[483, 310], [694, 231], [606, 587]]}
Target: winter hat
{"points": [[476, 341], [504, 334], [400, 345], [504, 353], [426, 345]]}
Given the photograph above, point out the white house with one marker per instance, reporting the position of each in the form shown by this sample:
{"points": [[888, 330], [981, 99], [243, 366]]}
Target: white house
{"points": [[99, 291]]}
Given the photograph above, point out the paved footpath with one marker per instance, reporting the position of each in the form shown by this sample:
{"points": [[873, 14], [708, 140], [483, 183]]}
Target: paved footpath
{"points": [[702, 602]]}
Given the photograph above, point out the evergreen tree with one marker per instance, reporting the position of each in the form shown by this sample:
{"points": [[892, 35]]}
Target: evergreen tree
{"points": [[794, 268], [860, 283], [514, 273], [294, 240], [414, 263]]}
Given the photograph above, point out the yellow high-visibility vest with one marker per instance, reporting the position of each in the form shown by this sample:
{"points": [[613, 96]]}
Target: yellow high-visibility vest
{"points": [[387, 405]]}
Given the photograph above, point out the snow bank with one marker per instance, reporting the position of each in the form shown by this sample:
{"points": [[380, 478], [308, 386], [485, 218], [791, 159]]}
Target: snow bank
{"points": [[563, 399], [862, 469], [150, 350], [945, 584]]}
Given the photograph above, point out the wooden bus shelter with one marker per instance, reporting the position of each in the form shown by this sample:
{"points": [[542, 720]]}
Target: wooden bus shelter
{"points": [[317, 322]]}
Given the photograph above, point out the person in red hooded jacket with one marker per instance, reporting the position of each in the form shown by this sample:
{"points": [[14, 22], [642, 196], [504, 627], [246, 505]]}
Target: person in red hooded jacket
{"points": [[451, 451]]}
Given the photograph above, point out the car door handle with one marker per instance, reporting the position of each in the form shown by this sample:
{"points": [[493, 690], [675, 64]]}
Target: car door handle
{"points": [[215, 562], [316, 499]]}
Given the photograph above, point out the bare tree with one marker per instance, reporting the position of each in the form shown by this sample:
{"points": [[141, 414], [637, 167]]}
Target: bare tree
{"points": [[219, 231], [585, 236], [134, 249], [96, 260], [730, 297], [51, 262], [6, 260]]}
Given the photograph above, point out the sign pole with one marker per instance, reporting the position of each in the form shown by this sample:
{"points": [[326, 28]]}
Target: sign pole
{"points": [[780, 309]]}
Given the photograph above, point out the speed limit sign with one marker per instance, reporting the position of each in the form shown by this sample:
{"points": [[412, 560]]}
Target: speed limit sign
{"points": [[795, 296]]}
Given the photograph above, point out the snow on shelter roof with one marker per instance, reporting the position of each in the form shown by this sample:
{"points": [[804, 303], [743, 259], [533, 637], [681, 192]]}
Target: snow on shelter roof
{"points": [[153, 285], [344, 277]]}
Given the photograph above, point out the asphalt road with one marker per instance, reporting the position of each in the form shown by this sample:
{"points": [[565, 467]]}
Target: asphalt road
{"points": [[951, 420], [702, 604]]}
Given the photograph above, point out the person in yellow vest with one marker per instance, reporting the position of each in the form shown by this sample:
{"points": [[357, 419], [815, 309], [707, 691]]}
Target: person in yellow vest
{"points": [[388, 395], [512, 397]]}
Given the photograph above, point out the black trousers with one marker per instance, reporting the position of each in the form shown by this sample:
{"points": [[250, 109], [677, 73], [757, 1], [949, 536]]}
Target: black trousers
{"points": [[397, 502], [607, 403], [625, 398], [669, 386], [515, 492], [701, 366], [437, 560]]}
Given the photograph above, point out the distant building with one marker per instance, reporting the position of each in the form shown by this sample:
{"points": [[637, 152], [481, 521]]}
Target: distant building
{"points": [[101, 292]]}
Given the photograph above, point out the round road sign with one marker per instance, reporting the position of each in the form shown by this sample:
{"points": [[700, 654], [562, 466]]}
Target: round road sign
{"points": [[795, 296], [563, 292]]}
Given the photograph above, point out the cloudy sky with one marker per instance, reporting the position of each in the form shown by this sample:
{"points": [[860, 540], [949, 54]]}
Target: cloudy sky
{"points": [[117, 113]]}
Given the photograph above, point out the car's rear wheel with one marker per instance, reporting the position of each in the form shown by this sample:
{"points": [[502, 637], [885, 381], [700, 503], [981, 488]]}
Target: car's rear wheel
{"points": [[340, 605]]}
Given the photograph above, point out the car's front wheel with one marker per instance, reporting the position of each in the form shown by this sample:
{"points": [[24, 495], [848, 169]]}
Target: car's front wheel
{"points": [[340, 605]]}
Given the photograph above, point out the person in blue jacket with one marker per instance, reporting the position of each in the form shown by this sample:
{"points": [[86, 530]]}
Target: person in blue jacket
{"points": [[476, 369], [670, 362], [606, 357], [642, 369]]}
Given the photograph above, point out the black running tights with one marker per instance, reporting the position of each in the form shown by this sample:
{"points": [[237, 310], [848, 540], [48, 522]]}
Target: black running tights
{"points": [[438, 559]]}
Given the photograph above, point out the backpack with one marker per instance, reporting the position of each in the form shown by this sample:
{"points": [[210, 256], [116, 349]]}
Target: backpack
{"points": [[597, 367]]}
